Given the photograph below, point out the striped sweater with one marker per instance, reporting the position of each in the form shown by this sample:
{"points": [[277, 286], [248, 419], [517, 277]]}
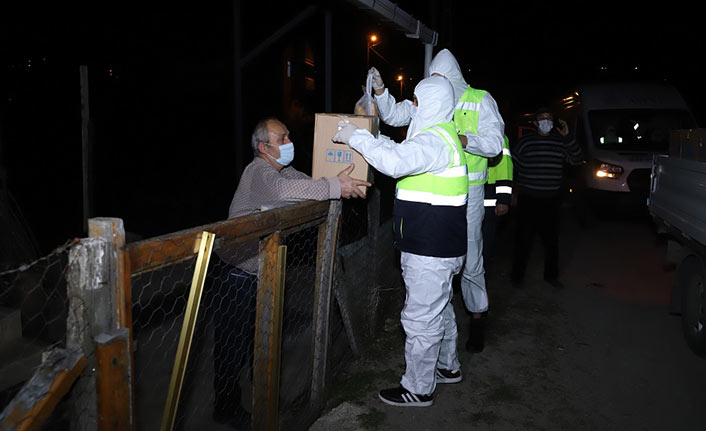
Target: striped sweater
{"points": [[539, 162]]}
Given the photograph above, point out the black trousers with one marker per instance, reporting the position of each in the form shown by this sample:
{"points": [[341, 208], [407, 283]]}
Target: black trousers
{"points": [[537, 215], [233, 296]]}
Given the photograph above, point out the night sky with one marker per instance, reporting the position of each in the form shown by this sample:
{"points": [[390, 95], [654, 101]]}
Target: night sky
{"points": [[162, 88]]}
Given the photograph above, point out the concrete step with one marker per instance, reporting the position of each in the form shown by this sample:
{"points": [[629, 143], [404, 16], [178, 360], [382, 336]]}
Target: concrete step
{"points": [[10, 325], [18, 360]]}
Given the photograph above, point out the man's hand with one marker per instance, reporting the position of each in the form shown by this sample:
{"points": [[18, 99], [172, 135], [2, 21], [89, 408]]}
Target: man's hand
{"points": [[378, 85], [562, 128], [349, 186], [464, 140], [345, 130], [501, 209]]}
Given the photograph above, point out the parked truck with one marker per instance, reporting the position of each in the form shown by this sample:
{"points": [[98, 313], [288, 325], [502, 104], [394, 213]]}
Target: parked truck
{"points": [[677, 204]]}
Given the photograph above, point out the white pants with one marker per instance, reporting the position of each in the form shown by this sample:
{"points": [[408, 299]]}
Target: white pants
{"points": [[473, 281], [428, 319]]}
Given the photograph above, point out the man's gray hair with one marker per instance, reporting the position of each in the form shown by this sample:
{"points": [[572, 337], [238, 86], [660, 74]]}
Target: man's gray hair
{"points": [[260, 134]]}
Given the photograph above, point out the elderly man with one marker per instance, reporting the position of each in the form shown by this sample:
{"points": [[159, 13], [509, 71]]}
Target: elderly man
{"points": [[430, 231], [267, 182]]}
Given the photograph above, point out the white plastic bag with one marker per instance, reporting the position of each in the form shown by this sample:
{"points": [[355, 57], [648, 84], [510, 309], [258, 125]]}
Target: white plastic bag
{"points": [[366, 104]]}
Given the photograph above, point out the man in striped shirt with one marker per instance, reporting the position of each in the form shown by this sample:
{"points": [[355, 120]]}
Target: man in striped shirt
{"points": [[539, 160]]}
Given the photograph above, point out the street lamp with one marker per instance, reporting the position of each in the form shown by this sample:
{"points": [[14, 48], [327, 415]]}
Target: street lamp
{"points": [[372, 41], [400, 79]]}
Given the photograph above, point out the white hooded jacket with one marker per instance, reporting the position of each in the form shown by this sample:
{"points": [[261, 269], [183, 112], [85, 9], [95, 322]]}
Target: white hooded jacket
{"points": [[491, 127], [421, 152]]}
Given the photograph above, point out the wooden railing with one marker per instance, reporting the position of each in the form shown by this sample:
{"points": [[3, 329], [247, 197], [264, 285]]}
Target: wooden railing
{"points": [[99, 324], [268, 227]]}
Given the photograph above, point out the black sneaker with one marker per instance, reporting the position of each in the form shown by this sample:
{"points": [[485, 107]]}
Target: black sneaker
{"points": [[448, 376], [404, 398]]}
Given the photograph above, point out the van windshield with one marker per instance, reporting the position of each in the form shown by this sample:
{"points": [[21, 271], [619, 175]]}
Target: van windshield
{"points": [[636, 129]]}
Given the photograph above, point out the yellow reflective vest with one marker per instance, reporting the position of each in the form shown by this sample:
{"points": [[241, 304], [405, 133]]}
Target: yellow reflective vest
{"points": [[466, 117]]}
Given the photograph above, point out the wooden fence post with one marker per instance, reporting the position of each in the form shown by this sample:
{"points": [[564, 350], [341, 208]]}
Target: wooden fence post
{"points": [[113, 231], [113, 380], [268, 334], [90, 313], [325, 258]]}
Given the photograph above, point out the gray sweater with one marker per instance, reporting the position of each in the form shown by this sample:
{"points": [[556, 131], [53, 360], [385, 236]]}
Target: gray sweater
{"points": [[262, 188]]}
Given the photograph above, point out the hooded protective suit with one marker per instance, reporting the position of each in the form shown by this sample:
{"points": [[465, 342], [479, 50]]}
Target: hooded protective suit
{"points": [[487, 141], [431, 253]]}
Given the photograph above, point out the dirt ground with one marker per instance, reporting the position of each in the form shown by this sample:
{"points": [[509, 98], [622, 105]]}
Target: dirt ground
{"points": [[601, 353]]}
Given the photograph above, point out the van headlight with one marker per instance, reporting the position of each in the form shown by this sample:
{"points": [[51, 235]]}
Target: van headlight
{"points": [[606, 170]]}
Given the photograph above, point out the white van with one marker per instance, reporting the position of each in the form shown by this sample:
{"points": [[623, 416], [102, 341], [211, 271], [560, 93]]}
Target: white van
{"points": [[620, 126]]}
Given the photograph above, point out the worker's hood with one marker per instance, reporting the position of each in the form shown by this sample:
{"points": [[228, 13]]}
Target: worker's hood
{"points": [[445, 64], [435, 98]]}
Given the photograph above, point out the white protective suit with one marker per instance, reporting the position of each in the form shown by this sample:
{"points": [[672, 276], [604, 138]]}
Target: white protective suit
{"points": [[427, 317], [487, 143]]}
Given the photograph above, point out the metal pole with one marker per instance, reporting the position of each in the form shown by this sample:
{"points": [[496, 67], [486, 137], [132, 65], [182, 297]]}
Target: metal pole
{"points": [[86, 150], [187, 330], [428, 51], [238, 90], [328, 72], [367, 56]]}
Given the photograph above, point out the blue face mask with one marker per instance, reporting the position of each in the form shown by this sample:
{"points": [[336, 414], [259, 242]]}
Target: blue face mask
{"points": [[545, 126], [286, 154]]}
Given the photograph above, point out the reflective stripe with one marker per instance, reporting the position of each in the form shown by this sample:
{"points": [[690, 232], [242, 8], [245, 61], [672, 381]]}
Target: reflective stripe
{"points": [[456, 171], [447, 188], [468, 106], [431, 198], [503, 189], [444, 134], [489, 202], [477, 176], [506, 152]]}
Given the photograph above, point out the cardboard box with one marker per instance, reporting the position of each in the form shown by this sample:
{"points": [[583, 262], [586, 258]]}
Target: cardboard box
{"points": [[330, 158]]}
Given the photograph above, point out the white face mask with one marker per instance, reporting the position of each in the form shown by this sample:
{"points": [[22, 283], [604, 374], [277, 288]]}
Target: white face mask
{"points": [[545, 126], [286, 154]]}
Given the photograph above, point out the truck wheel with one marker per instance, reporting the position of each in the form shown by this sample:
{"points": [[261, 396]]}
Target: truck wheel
{"points": [[691, 279]]}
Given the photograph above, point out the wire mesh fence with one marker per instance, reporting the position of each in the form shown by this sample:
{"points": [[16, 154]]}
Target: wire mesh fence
{"points": [[269, 311], [35, 344], [33, 309], [240, 320]]}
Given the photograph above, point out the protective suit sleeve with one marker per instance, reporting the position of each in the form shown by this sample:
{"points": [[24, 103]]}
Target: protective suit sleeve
{"points": [[491, 128], [503, 169], [391, 112], [423, 153]]}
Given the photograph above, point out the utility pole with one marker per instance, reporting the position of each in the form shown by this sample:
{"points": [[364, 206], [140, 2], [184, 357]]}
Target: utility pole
{"points": [[238, 93], [87, 149]]}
